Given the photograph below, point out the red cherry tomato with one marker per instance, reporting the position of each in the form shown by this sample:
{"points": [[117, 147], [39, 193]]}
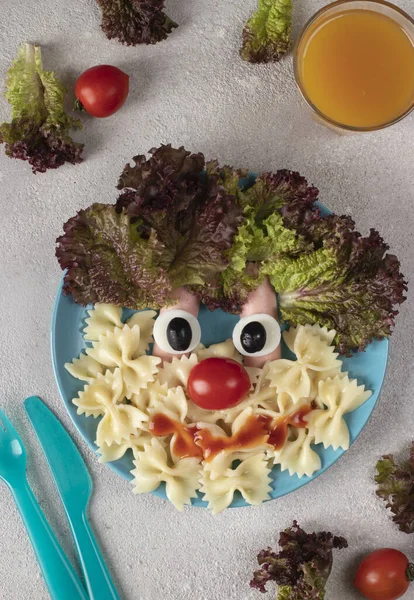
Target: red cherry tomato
{"points": [[102, 90], [217, 383], [382, 575]]}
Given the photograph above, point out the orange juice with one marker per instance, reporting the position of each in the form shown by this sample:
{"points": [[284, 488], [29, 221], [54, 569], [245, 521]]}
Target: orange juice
{"points": [[357, 67]]}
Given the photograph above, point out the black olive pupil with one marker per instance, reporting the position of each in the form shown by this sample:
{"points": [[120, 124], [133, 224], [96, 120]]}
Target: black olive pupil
{"points": [[179, 334], [253, 337]]}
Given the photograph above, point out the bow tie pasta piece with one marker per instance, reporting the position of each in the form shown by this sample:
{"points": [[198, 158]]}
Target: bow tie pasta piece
{"points": [[196, 413], [241, 420], [102, 391], [285, 403], [317, 376], [313, 352], [266, 398], [290, 377], [261, 383], [225, 460], [251, 478], [118, 423], [102, 318], [264, 394], [177, 371], [85, 368], [262, 379], [152, 467], [325, 334], [114, 452], [117, 349], [105, 396], [230, 415], [145, 321], [106, 317], [340, 396], [222, 446], [135, 443], [145, 398], [223, 350], [297, 456], [173, 405]]}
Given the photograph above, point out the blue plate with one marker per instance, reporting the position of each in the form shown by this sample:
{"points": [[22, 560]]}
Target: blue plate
{"points": [[67, 342]]}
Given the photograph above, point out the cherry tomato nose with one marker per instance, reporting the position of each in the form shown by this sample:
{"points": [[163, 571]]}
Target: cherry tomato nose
{"points": [[218, 383]]}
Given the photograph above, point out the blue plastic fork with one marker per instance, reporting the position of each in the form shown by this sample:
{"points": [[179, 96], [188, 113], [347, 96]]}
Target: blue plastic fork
{"points": [[60, 578]]}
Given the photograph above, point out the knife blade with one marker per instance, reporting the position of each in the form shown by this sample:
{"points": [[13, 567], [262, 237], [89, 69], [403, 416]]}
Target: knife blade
{"points": [[75, 488]]}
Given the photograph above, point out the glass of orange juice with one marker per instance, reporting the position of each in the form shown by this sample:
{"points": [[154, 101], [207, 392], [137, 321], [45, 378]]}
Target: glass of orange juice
{"points": [[354, 64]]}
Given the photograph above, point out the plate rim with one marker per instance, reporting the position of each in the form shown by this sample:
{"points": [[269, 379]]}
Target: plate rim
{"points": [[199, 502]]}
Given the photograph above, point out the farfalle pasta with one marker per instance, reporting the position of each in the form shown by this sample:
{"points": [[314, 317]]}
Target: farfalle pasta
{"points": [[173, 404], [152, 466], [101, 319], [340, 396], [144, 409], [104, 390], [104, 397], [85, 368], [106, 317], [177, 371], [297, 456], [223, 349], [251, 478], [120, 348], [313, 355], [136, 442]]}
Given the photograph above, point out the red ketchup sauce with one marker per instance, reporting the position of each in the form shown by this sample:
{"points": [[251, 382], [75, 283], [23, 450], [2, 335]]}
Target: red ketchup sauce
{"points": [[184, 444], [257, 431]]}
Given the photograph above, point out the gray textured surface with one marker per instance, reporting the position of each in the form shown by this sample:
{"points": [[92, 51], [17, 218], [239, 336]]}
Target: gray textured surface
{"points": [[191, 90]]}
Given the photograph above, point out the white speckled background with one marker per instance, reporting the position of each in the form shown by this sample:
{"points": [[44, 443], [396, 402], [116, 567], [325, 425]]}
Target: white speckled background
{"points": [[194, 90]]}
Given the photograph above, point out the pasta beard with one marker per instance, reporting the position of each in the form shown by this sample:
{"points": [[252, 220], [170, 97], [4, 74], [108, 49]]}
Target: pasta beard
{"points": [[127, 389]]}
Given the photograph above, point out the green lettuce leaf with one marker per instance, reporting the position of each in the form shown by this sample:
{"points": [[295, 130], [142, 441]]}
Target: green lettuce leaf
{"points": [[396, 487], [170, 227], [323, 270], [266, 35], [262, 237], [39, 130], [220, 233], [348, 284], [302, 566]]}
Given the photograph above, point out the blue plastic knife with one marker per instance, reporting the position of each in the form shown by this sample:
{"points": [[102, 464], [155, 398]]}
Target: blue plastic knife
{"points": [[75, 487]]}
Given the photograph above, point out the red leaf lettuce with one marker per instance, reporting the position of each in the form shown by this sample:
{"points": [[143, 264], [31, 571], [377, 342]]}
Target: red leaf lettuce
{"points": [[302, 566], [135, 22], [170, 227], [396, 488], [322, 269], [39, 130], [220, 233]]}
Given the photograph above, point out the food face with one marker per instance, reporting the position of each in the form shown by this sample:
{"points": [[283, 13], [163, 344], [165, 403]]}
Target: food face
{"points": [[216, 420]]}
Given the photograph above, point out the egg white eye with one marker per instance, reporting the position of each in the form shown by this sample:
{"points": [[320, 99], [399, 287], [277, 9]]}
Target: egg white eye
{"points": [[256, 335], [177, 331]]}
